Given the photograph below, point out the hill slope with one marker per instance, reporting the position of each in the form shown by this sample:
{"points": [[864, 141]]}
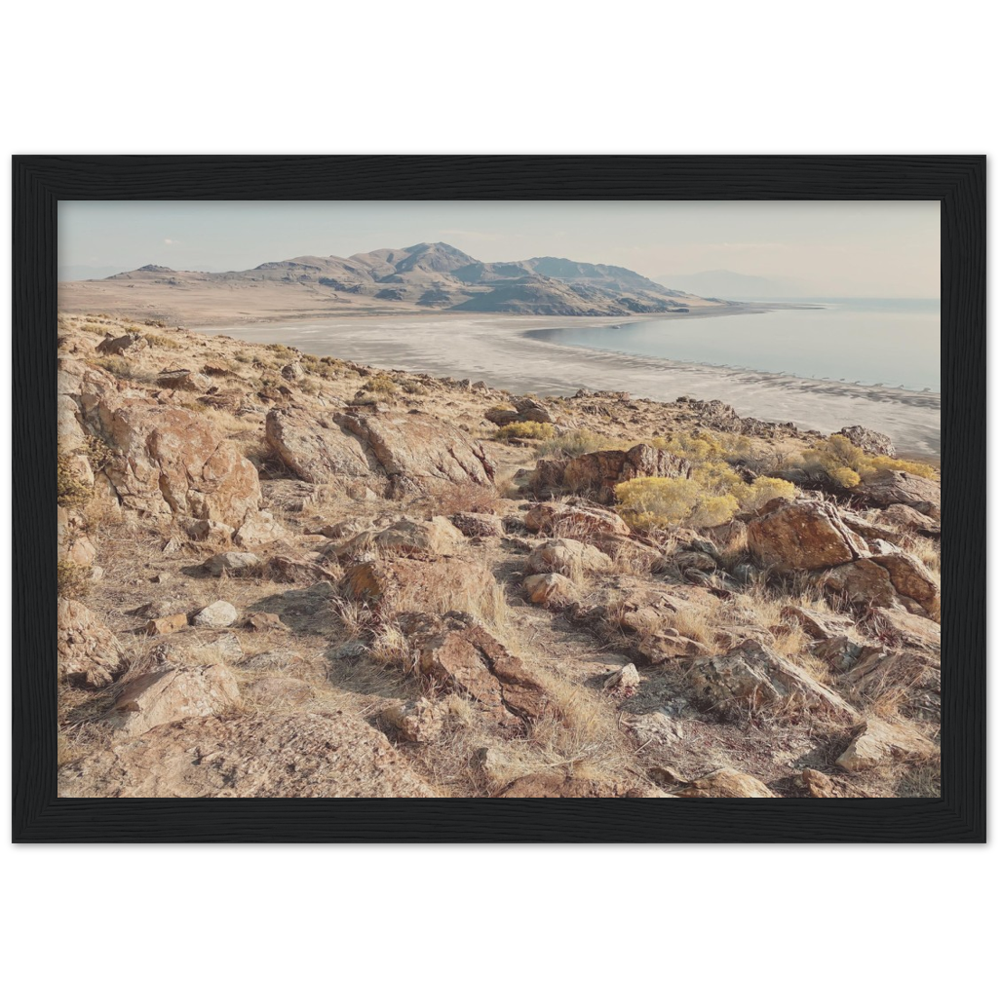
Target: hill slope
{"points": [[423, 277]]}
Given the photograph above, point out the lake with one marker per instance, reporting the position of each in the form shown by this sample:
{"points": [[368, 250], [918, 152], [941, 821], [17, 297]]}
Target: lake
{"points": [[893, 342]]}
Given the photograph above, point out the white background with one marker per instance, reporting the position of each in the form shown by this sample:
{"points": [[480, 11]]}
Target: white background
{"points": [[512, 71], [509, 928]]}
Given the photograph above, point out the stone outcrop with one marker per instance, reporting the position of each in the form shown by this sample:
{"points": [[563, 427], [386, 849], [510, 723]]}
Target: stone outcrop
{"points": [[412, 585], [550, 589], [157, 698], [405, 450], [170, 460], [752, 676], [436, 537], [803, 535], [88, 652], [888, 487], [871, 441], [568, 557], [232, 564], [875, 742], [420, 721], [571, 521]]}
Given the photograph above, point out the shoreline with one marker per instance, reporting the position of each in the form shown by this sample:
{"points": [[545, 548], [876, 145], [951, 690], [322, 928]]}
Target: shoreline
{"points": [[499, 351]]}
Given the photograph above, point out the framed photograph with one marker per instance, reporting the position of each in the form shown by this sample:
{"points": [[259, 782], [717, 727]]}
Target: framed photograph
{"points": [[499, 498]]}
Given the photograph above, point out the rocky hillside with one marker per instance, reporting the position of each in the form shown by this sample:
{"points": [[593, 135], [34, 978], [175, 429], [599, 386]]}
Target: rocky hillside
{"points": [[283, 575], [425, 277]]}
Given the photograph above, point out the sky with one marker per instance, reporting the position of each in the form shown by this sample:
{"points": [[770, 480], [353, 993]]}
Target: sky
{"points": [[871, 249]]}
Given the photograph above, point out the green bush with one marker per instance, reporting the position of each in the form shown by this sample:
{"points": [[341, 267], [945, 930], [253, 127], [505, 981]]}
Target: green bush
{"points": [[380, 386], [838, 457], [72, 580], [70, 491]]}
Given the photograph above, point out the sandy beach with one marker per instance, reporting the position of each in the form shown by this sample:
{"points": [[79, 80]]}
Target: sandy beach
{"points": [[496, 350]]}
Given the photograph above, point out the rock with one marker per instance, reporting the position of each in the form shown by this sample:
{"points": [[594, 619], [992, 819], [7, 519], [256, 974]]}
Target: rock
{"points": [[750, 675], [890, 578], [900, 628], [343, 529], [698, 561], [624, 682], [172, 460], [313, 445], [87, 651], [157, 698], [567, 521], [73, 543], [597, 474], [166, 624], [888, 487], [725, 783], [231, 563], [818, 785], [547, 785], [532, 410], [265, 621], [438, 537], [412, 585], [280, 692], [284, 569], [550, 589], [910, 578], [183, 378], [474, 525], [124, 346], [502, 415], [293, 372], [805, 535], [280, 659], [901, 520], [817, 625], [300, 755], [403, 448], [871, 441], [210, 532], [416, 721], [874, 742], [217, 615], [259, 528], [568, 557], [472, 662]]}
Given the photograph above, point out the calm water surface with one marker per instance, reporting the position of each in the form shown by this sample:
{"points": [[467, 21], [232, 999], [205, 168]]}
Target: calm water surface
{"points": [[894, 342]]}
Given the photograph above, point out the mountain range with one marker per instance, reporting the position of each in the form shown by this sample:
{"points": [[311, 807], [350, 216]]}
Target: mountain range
{"points": [[423, 277]]}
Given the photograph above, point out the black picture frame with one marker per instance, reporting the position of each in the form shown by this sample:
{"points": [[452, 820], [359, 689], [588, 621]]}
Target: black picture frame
{"points": [[957, 182]]}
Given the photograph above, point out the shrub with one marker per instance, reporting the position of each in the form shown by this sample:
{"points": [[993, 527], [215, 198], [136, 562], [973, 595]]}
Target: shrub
{"points": [[525, 429], [118, 367], [838, 457], [580, 441], [70, 491], [657, 502], [381, 386], [157, 340]]}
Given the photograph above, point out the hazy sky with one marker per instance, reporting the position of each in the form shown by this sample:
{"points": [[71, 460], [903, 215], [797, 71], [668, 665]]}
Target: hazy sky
{"points": [[881, 249]]}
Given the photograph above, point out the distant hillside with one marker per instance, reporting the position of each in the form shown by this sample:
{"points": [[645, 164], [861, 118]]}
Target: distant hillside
{"points": [[424, 277], [732, 285]]}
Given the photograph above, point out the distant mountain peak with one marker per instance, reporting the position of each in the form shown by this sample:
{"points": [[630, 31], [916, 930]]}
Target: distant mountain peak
{"points": [[157, 268]]}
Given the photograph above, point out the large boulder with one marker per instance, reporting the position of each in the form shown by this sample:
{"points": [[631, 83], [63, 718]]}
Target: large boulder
{"points": [[568, 557], [803, 535], [598, 473], [298, 755], [550, 589], [888, 487], [725, 783], [169, 459], [403, 448], [314, 446], [87, 651], [415, 585], [752, 676], [157, 698], [436, 537], [875, 742], [871, 441], [571, 521]]}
